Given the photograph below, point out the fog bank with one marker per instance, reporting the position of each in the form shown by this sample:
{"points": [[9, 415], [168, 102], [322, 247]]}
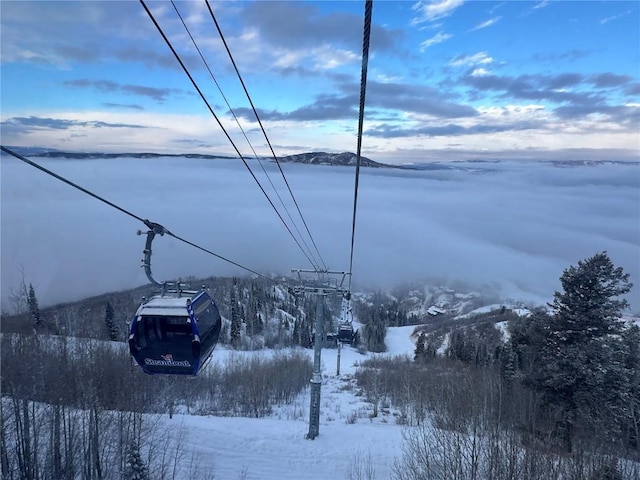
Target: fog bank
{"points": [[513, 225]]}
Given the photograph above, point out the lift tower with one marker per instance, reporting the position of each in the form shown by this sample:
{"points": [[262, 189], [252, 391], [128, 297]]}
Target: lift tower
{"points": [[322, 287]]}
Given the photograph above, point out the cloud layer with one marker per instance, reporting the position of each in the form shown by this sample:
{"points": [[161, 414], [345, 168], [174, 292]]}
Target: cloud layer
{"points": [[512, 225]]}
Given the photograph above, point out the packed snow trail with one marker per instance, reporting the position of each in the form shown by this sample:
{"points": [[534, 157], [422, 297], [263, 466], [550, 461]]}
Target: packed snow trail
{"points": [[274, 448]]}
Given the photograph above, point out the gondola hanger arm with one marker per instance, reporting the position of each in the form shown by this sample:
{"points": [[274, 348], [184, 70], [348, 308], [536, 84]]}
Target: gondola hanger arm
{"points": [[154, 229]]}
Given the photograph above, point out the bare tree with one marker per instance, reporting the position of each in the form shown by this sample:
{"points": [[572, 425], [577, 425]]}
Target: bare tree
{"points": [[361, 467]]}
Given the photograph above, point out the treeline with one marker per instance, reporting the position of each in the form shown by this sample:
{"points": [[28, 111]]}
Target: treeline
{"points": [[559, 398], [257, 313], [57, 442], [376, 314], [475, 339], [83, 374]]}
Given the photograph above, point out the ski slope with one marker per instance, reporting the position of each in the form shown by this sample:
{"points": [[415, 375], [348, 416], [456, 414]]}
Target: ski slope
{"points": [[275, 447]]}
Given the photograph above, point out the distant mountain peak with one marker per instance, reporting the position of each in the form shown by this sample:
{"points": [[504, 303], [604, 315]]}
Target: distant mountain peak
{"points": [[345, 159]]}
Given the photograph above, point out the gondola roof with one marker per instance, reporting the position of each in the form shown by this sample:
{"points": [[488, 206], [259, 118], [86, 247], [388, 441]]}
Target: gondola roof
{"points": [[175, 306]]}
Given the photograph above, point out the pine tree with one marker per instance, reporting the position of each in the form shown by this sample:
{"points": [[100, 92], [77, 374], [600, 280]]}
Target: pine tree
{"points": [[418, 353], [508, 362], [527, 339], [631, 337], [295, 336], [581, 371], [135, 468], [34, 310], [588, 306], [461, 346], [112, 327], [235, 317], [258, 324], [305, 333], [375, 332], [250, 318]]}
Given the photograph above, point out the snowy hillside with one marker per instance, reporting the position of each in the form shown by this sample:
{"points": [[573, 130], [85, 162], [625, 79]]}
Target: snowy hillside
{"points": [[275, 447]]}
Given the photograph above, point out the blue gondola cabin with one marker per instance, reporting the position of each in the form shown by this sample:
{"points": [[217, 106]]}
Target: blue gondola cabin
{"points": [[175, 335]]}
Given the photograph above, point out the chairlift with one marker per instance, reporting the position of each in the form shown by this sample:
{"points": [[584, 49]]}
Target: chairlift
{"points": [[175, 331]]}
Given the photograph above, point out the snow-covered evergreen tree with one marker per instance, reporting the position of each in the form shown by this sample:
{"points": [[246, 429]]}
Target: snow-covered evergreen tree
{"points": [[135, 468], [631, 337], [295, 336], [34, 309], [418, 353], [508, 361], [112, 327], [235, 317], [375, 332], [581, 372], [589, 305]]}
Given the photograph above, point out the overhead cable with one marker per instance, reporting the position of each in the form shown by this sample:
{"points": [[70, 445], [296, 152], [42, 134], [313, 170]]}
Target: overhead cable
{"points": [[363, 91], [195, 85], [69, 182], [245, 136], [255, 112], [125, 211]]}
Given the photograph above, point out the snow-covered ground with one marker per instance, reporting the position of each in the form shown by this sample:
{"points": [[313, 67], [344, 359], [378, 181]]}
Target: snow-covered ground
{"points": [[275, 447], [521, 312]]}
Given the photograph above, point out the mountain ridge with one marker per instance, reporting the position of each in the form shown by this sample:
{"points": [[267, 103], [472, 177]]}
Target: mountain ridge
{"points": [[310, 158], [347, 159]]}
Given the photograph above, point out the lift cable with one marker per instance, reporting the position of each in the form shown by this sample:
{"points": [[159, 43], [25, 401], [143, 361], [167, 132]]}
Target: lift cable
{"points": [[255, 112], [148, 223], [195, 85], [245, 135], [363, 90]]}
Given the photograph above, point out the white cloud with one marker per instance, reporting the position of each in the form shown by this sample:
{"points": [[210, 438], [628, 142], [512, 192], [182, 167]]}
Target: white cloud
{"points": [[488, 23], [438, 38], [173, 133], [478, 72], [496, 7], [514, 113], [431, 10], [480, 58], [384, 78], [289, 58], [324, 57], [614, 17], [327, 57]]}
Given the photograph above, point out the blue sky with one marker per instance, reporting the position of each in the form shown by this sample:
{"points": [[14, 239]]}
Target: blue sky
{"points": [[448, 80]]}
